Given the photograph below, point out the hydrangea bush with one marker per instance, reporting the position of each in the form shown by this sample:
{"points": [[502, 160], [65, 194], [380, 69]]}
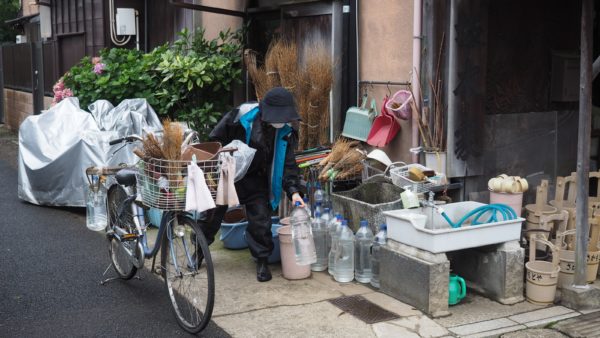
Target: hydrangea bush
{"points": [[190, 80]]}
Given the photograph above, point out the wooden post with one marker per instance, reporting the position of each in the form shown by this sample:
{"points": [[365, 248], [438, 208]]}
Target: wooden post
{"points": [[583, 144]]}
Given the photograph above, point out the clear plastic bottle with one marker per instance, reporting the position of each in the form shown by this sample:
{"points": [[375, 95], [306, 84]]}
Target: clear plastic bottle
{"points": [[333, 235], [304, 245], [362, 255], [380, 240], [318, 196], [319, 231], [307, 205], [96, 213], [344, 256]]}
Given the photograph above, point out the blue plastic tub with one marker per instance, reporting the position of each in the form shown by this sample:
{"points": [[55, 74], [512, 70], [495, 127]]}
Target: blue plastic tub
{"points": [[232, 235]]}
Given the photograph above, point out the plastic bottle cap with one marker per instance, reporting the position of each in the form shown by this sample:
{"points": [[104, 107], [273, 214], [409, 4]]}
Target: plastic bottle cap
{"points": [[297, 203], [383, 226], [317, 214], [344, 222], [326, 209], [364, 223]]}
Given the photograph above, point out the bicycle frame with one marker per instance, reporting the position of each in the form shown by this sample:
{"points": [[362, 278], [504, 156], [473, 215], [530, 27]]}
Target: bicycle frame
{"points": [[148, 252]]}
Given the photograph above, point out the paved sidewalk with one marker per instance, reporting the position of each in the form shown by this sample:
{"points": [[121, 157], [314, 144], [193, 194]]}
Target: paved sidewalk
{"points": [[302, 308]]}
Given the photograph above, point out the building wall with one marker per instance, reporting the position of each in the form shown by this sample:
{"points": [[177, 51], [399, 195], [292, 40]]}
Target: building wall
{"points": [[385, 54], [18, 105], [29, 7]]}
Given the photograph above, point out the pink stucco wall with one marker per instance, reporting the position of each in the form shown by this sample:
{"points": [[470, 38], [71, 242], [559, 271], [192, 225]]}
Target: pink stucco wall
{"points": [[385, 42]]}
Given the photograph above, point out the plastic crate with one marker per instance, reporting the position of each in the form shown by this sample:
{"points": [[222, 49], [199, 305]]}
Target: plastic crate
{"points": [[400, 178]]}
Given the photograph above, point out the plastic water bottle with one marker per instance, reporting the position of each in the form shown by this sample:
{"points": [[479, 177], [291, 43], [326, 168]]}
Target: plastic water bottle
{"points": [[319, 230], [318, 199], [380, 240], [96, 213], [304, 244], [318, 196], [333, 236], [362, 253], [307, 205], [344, 256]]}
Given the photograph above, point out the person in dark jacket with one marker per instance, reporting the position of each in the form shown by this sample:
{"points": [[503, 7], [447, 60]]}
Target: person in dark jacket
{"points": [[266, 127]]}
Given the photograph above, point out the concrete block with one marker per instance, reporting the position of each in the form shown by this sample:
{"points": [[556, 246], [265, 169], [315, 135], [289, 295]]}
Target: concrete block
{"points": [[540, 314], [581, 299], [488, 325], [495, 271], [416, 277]]}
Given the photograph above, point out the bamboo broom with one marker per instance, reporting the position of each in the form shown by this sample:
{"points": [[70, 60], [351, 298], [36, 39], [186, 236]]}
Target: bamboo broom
{"points": [[257, 74]]}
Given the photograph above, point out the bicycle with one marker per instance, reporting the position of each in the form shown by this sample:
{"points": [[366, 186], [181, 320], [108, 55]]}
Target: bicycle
{"points": [[186, 263]]}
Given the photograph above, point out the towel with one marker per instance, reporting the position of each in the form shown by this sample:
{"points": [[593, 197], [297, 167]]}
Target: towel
{"points": [[197, 196], [226, 194]]}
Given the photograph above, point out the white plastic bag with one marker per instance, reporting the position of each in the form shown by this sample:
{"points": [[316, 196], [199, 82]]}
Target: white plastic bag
{"points": [[243, 158]]}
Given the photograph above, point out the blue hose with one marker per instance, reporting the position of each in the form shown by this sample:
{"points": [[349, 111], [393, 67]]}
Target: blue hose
{"points": [[504, 210]]}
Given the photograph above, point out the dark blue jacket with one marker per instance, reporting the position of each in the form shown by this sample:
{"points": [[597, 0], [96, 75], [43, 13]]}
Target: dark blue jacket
{"points": [[256, 182]]}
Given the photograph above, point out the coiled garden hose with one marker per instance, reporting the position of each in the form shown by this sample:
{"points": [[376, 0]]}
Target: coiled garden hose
{"points": [[504, 210]]}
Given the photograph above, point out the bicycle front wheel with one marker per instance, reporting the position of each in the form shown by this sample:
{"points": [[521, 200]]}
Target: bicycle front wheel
{"points": [[121, 252], [189, 275]]}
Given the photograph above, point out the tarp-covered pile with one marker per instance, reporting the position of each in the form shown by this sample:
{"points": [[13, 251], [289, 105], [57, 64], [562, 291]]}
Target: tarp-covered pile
{"points": [[57, 146]]}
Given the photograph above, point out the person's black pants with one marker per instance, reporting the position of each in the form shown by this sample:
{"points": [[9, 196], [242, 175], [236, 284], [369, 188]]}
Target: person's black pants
{"points": [[258, 233]]}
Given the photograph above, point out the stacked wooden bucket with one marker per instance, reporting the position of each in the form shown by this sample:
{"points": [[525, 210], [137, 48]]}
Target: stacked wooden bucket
{"points": [[552, 225]]}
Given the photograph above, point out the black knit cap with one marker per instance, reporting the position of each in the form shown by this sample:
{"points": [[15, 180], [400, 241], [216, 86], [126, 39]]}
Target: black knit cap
{"points": [[278, 106]]}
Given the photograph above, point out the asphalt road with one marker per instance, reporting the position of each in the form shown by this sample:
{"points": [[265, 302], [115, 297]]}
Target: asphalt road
{"points": [[50, 268]]}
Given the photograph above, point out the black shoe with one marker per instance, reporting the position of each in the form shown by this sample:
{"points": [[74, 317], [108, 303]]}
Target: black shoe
{"points": [[263, 274]]}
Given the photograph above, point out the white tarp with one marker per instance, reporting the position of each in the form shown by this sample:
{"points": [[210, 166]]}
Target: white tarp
{"points": [[57, 146]]}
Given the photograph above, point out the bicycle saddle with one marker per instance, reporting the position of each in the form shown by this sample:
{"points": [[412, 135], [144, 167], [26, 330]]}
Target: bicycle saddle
{"points": [[126, 177]]}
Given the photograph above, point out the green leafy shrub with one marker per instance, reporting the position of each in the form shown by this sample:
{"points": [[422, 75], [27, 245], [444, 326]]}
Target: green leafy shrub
{"points": [[190, 81]]}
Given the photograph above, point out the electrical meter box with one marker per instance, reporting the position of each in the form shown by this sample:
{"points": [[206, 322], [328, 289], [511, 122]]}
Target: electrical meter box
{"points": [[126, 21]]}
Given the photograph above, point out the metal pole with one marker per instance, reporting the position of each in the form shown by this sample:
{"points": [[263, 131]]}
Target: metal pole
{"points": [[1, 88], [583, 145]]}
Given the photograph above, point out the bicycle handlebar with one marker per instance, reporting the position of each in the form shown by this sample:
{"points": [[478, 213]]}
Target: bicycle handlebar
{"points": [[131, 138]]}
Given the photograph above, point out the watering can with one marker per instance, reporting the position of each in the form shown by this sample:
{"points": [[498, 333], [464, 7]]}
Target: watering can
{"points": [[457, 289]]}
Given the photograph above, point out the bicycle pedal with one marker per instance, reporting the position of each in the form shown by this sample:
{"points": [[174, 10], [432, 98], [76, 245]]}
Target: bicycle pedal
{"points": [[128, 237]]}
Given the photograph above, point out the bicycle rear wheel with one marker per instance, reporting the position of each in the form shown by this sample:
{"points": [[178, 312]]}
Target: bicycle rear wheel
{"points": [[120, 251], [189, 275]]}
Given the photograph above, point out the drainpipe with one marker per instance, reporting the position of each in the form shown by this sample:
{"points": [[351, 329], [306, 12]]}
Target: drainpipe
{"points": [[416, 68]]}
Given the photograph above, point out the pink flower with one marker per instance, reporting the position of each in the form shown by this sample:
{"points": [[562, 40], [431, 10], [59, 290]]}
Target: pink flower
{"points": [[99, 68], [96, 60], [67, 93], [58, 86], [60, 92]]}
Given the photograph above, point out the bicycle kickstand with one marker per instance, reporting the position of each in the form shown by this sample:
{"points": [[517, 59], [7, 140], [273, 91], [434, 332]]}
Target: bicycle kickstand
{"points": [[107, 280]]}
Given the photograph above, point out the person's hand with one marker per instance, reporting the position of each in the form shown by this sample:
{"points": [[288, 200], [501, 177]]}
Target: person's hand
{"points": [[297, 198]]}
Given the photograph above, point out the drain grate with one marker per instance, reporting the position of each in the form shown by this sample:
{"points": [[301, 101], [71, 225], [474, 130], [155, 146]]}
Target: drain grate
{"points": [[363, 309], [581, 326]]}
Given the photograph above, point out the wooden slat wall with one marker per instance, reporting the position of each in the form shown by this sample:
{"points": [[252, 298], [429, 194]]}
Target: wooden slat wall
{"points": [[79, 29]]}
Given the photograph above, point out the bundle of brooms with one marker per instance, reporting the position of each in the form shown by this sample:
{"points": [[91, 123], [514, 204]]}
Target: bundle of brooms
{"points": [[310, 84], [344, 162]]}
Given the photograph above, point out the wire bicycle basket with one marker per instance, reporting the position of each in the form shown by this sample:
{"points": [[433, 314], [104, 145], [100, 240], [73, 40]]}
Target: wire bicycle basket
{"points": [[163, 183]]}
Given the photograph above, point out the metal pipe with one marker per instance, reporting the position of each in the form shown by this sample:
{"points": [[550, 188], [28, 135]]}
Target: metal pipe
{"points": [[416, 67], [583, 145], [391, 83], [207, 8]]}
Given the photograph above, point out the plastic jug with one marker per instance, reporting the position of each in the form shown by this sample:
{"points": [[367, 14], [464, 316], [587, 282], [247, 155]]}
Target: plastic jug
{"points": [[457, 289], [363, 240], [302, 237], [319, 231]]}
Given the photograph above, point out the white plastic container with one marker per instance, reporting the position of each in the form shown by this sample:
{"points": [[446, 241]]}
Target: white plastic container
{"points": [[408, 226]]}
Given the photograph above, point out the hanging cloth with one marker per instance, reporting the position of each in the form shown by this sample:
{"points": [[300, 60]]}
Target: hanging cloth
{"points": [[226, 194], [246, 120], [280, 148], [197, 195]]}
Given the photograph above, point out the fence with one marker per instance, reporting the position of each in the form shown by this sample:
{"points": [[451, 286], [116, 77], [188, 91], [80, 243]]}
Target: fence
{"points": [[29, 67]]}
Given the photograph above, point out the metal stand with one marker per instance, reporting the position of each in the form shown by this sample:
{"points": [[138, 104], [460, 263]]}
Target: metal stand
{"points": [[107, 280]]}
